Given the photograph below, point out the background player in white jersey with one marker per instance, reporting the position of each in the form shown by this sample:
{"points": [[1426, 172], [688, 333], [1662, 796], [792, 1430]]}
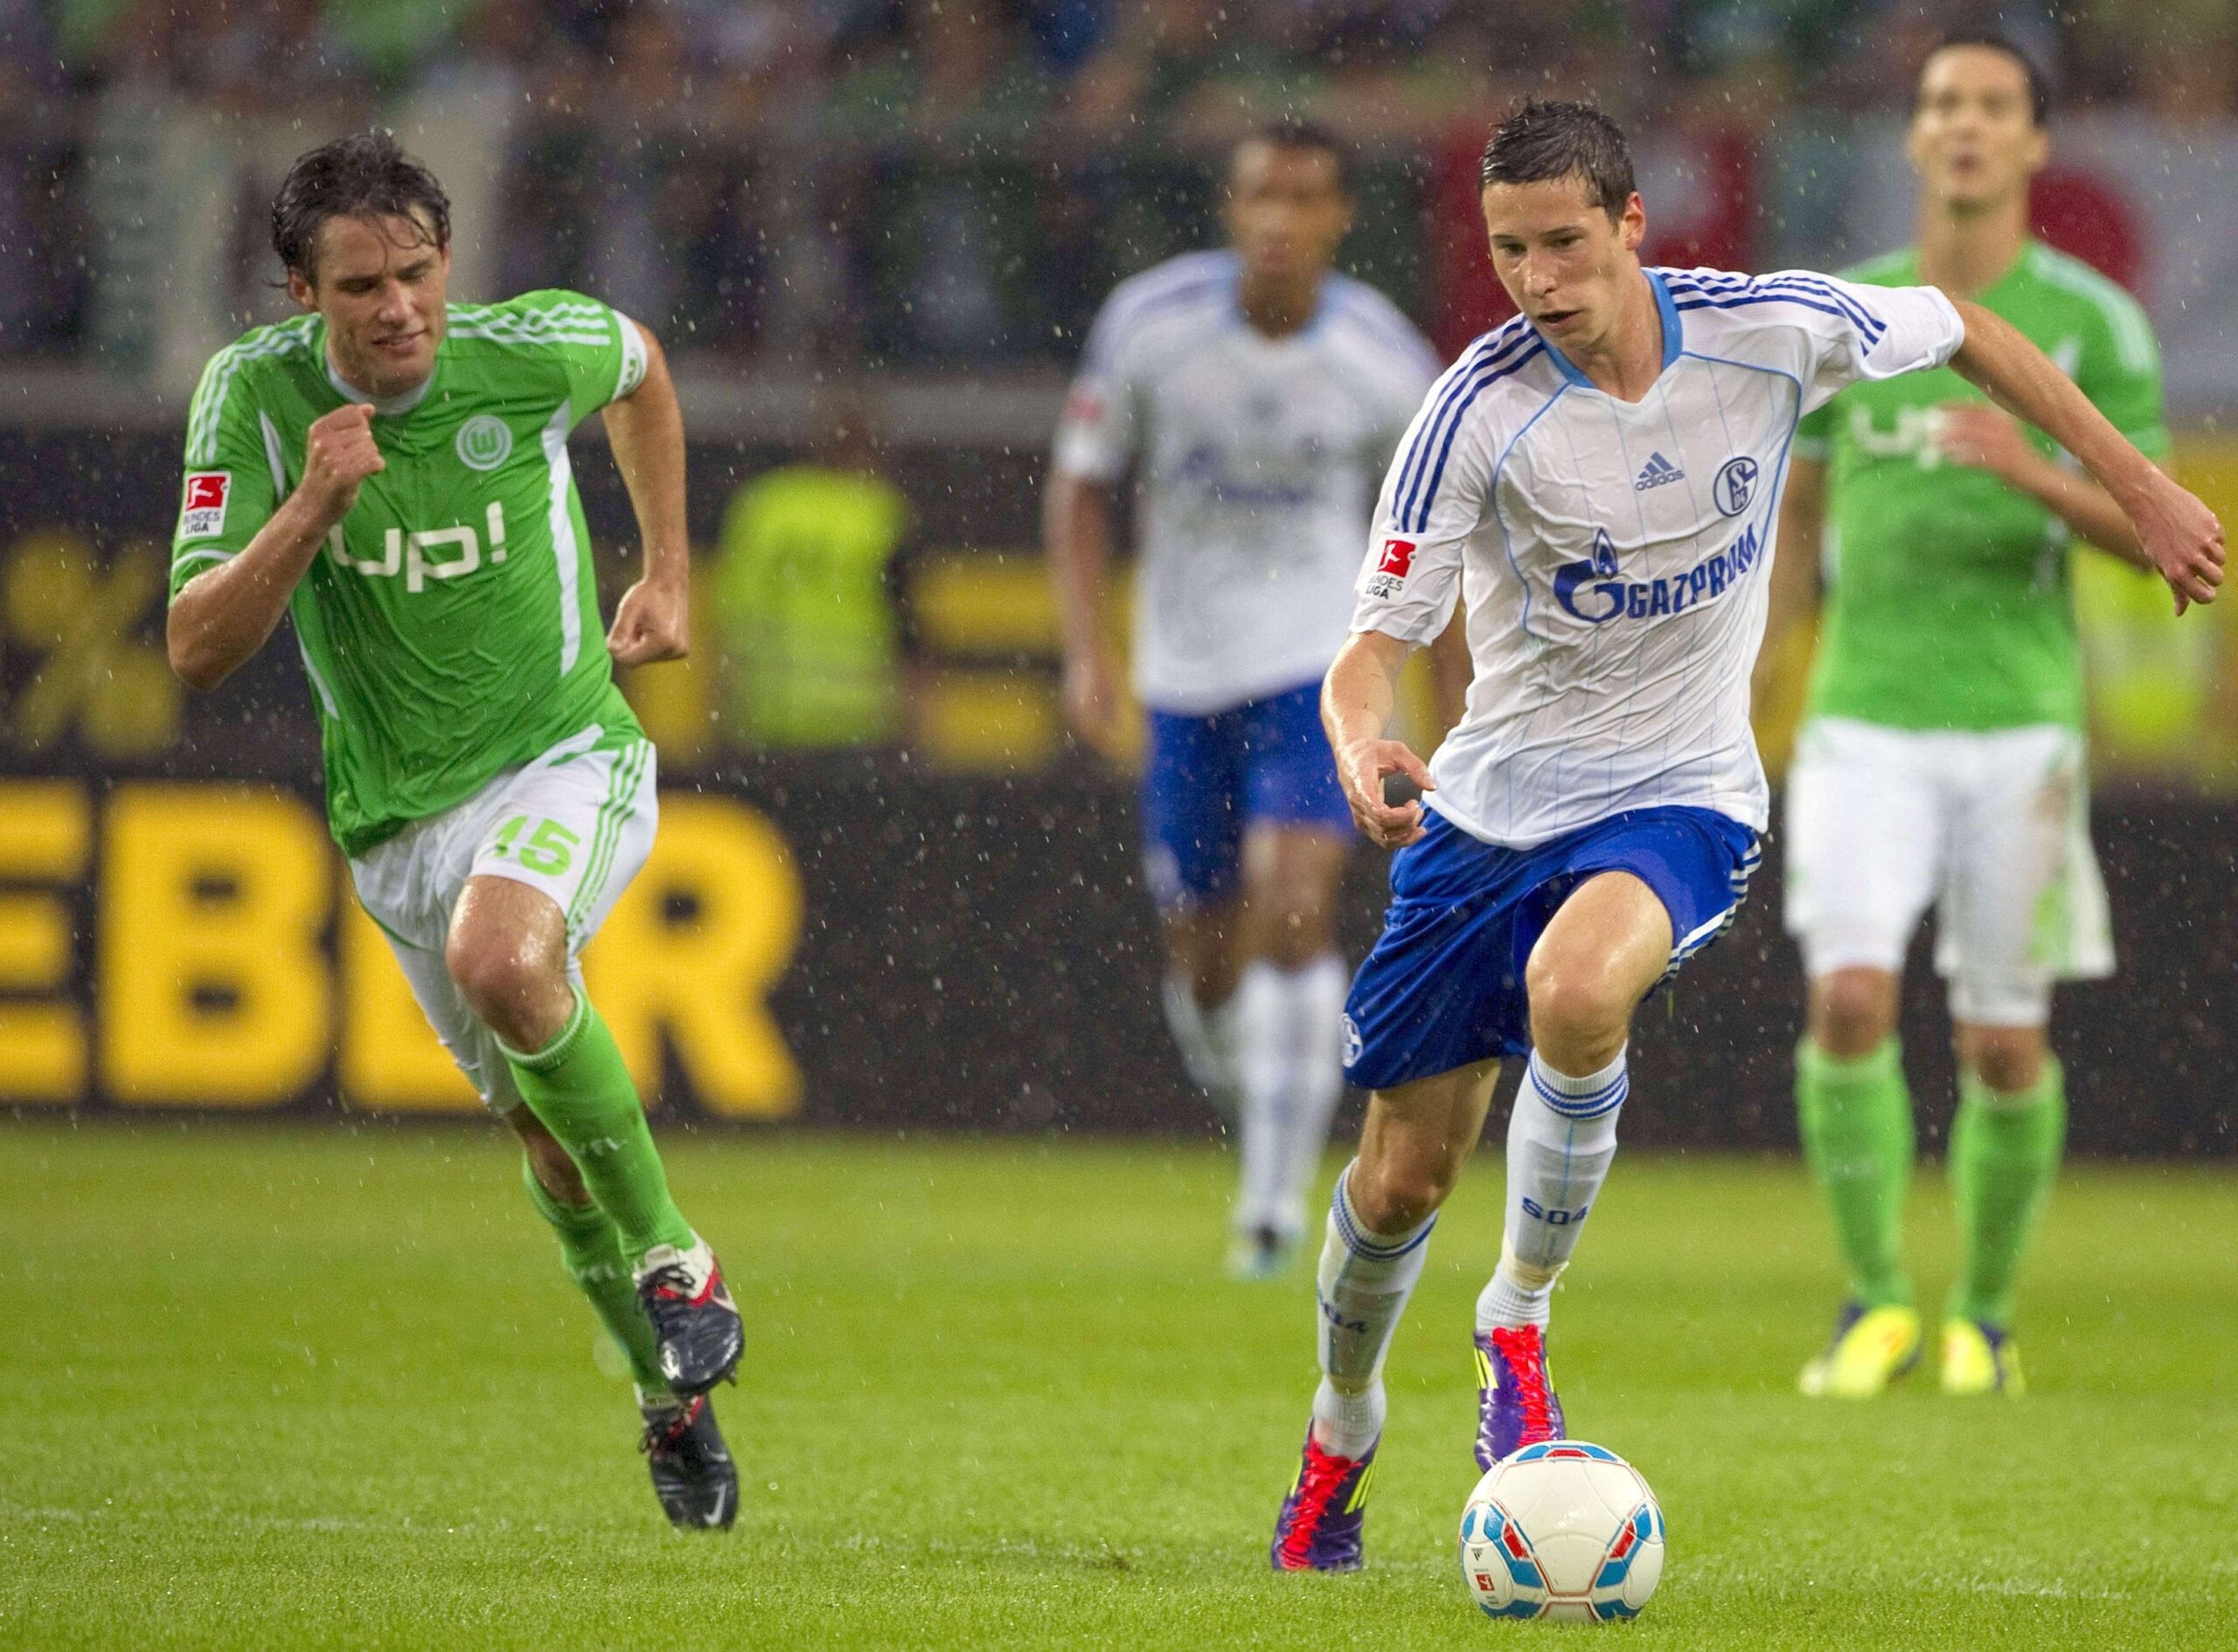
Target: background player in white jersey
{"points": [[1600, 479], [391, 470], [1256, 394]]}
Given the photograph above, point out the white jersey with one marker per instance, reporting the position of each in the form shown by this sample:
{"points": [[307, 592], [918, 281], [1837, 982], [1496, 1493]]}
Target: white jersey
{"points": [[1614, 555], [1258, 460]]}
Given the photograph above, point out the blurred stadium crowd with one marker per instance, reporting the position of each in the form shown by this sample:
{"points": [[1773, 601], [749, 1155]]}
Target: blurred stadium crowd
{"points": [[925, 182]]}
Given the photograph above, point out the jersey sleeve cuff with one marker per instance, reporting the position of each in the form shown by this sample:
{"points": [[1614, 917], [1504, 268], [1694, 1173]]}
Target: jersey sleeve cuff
{"points": [[1957, 334], [1417, 631], [190, 562], [1086, 459], [632, 372]]}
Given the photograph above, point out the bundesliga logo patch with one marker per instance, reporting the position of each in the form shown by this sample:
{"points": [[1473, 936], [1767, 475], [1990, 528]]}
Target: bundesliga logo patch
{"points": [[1391, 568], [204, 513]]}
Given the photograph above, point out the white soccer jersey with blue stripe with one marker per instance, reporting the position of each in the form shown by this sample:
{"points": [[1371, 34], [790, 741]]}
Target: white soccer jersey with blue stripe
{"points": [[1614, 555], [1256, 461]]}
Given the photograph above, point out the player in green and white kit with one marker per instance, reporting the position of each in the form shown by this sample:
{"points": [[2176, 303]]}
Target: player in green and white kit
{"points": [[392, 469], [1941, 759]]}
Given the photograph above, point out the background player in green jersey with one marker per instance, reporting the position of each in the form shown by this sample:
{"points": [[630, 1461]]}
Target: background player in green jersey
{"points": [[1942, 759], [391, 470]]}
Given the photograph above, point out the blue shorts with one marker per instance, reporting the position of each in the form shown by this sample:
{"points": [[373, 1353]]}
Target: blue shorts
{"points": [[1206, 779], [1444, 987]]}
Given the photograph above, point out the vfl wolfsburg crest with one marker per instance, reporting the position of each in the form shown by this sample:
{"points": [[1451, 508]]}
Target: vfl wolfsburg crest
{"points": [[484, 442]]}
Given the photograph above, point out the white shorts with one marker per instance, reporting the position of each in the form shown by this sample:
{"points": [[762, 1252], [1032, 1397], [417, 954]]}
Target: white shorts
{"points": [[577, 824], [1992, 827]]}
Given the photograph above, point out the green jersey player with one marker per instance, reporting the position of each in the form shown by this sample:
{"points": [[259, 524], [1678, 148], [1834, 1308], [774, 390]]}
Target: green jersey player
{"points": [[1942, 758], [391, 470]]}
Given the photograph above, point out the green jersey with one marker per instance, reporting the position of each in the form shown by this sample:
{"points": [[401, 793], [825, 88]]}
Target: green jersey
{"points": [[1948, 603], [450, 627]]}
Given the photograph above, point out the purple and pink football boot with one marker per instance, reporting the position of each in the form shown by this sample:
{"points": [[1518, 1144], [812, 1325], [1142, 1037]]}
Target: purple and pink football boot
{"points": [[1516, 1403], [1319, 1527]]}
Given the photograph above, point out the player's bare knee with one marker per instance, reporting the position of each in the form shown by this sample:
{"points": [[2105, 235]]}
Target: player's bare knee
{"points": [[1295, 936], [1400, 1191], [511, 987], [1852, 1012], [2005, 1059], [1578, 1012]]}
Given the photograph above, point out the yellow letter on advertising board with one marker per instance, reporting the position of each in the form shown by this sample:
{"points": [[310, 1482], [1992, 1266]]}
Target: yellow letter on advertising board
{"points": [[45, 831], [214, 985], [692, 949], [391, 1057]]}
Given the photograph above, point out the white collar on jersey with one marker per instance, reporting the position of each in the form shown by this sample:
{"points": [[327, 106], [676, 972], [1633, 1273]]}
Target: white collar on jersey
{"points": [[388, 409]]}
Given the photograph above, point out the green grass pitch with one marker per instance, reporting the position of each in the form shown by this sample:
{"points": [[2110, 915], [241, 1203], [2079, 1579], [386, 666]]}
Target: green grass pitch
{"points": [[313, 1387]]}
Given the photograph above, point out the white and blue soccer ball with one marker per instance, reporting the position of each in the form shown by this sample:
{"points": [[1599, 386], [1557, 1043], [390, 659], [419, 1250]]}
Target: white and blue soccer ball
{"points": [[1563, 1529]]}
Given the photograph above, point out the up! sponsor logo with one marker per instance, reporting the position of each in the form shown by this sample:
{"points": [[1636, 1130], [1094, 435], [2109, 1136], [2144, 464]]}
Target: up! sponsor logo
{"points": [[425, 553]]}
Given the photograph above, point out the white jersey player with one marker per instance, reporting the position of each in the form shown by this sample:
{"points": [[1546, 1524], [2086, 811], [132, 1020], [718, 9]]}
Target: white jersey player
{"points": [[1600, 480], [1254, 395]]}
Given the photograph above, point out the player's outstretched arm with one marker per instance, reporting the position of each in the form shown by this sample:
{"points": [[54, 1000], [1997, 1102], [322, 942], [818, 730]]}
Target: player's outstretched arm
{"points": [[1356, 703], [1077, 520], [221, 617], [1989, 438], [2178, 534], [645, 429]]}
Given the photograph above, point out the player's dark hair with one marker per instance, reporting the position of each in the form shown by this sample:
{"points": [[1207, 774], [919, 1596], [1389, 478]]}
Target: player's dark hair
{"points": [[1542, 139], [365, 175], [1305, 135], [2040, 89]]}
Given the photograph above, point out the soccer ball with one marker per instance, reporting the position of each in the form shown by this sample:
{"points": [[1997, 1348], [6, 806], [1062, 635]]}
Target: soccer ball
{"points": [[1562, 1529]]}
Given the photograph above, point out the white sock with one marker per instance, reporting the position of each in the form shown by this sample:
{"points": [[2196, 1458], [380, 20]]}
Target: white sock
{"points": [[1184, 1019], [1346, 1425], [1290, 1071], [1315, 1001], [1561, 1139], [1364, 1280]]}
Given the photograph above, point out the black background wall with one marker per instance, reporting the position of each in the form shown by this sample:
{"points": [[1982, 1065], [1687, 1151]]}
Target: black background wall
{"points": [[978, 952]]}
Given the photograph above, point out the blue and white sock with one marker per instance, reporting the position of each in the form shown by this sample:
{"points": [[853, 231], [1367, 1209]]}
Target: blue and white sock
{"points": [[1364, 1283], [1561, 1138]]}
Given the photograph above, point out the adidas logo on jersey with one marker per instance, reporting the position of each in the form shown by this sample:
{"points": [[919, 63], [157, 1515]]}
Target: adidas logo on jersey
{"points": [[1656, 471]]}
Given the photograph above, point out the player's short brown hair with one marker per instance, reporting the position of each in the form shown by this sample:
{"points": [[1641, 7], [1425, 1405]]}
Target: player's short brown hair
{"points": [[1542, 139], [365, 175]]}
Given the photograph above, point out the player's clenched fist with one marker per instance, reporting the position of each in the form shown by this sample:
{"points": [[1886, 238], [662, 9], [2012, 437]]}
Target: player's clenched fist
{"points": [[2182, 537], [654, 622], [1364, 767], [338, 454]]}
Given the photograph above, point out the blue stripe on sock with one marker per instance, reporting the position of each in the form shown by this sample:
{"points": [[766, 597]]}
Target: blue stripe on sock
{"points": [[1598, 1104], [1357, 1238]]}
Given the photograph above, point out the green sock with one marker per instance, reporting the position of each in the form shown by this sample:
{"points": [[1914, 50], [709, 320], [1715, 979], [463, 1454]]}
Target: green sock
{"points": [[1856, 1119], [2005, 1154], [592, 1252], [580, 1090]]}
